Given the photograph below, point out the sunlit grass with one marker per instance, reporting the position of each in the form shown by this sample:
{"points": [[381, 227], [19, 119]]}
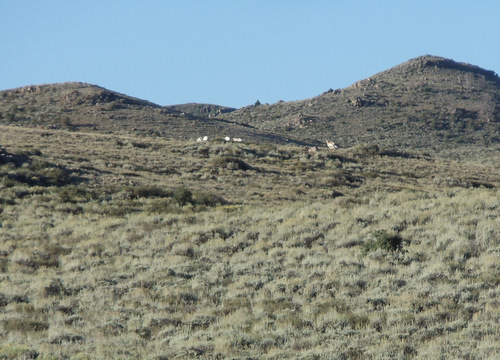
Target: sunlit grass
{"points": [[119, 262]]}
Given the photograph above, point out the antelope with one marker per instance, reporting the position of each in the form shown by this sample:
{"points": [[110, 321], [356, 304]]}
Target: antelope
{"points": [[331, 144]]}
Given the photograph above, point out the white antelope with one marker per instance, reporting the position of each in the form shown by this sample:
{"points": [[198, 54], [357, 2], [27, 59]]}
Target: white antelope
{"points": [[237, 140], [331, 144], [227, 138]]}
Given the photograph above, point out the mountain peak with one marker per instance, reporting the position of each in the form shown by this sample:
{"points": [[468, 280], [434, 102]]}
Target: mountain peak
{"points": [[438, 62], [417, 104]]}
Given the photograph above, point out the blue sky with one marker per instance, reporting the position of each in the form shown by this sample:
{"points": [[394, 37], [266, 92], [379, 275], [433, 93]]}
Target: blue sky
{"points": [[234, 52]]}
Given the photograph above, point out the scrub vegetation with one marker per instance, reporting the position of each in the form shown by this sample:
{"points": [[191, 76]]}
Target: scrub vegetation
{"points": [[127, 246], [122, 237]]}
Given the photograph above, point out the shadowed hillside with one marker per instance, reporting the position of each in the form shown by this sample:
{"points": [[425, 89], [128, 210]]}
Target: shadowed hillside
{"points": [[85, 107]]}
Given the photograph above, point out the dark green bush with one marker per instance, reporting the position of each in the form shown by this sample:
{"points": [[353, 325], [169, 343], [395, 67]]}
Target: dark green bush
{"points": [[24, 325], [4, 265], [366, 149], [3, 300], [74, 194], [10, 117], [383, 241], [229, 162], [208, 199], [182, 196], [163, 206]]}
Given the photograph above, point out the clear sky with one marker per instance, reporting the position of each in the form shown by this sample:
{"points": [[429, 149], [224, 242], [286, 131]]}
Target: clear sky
{"points": [[234, 52]]}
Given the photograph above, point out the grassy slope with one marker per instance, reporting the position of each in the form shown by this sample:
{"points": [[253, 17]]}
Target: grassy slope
{"points": [[97, 257]]}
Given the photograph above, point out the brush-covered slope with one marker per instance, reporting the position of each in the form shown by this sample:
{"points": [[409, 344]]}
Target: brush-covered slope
{"points": [[136, 247], [85, 107], [426, 102]]}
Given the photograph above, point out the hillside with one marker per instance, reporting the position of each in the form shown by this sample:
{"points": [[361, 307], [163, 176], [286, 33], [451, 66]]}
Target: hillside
{"points": [[428, 103], [121, 237], [128, 246], [86, 107]]}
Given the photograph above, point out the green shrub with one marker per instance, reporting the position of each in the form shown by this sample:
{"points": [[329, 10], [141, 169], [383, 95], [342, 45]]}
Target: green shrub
{"points": [[229, 162], [383, 241], [66, 123], [10, 117], [208, 199], [24, 325], [162, 206], [4, 265], [74, 194], [17, 352], [182, 196], [3, 300], [366, 149]]}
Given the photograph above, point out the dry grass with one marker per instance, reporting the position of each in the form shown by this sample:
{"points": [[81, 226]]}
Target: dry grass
{"points": [[106, 263]]}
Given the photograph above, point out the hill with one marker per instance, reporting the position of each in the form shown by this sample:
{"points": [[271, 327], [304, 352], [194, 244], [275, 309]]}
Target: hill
{"points": [[428, 103], [86, 107]]}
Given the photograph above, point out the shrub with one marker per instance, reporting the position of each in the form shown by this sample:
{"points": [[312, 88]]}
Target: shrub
{"points": [[383, 241], [4, 264], [208, 199], [17, 352], [163, 206], [55, 288], [366, 149], [3, 300], [73, 194], [66, 123], [182, 196], [229, 162], [10, 117], [24, 325]]}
